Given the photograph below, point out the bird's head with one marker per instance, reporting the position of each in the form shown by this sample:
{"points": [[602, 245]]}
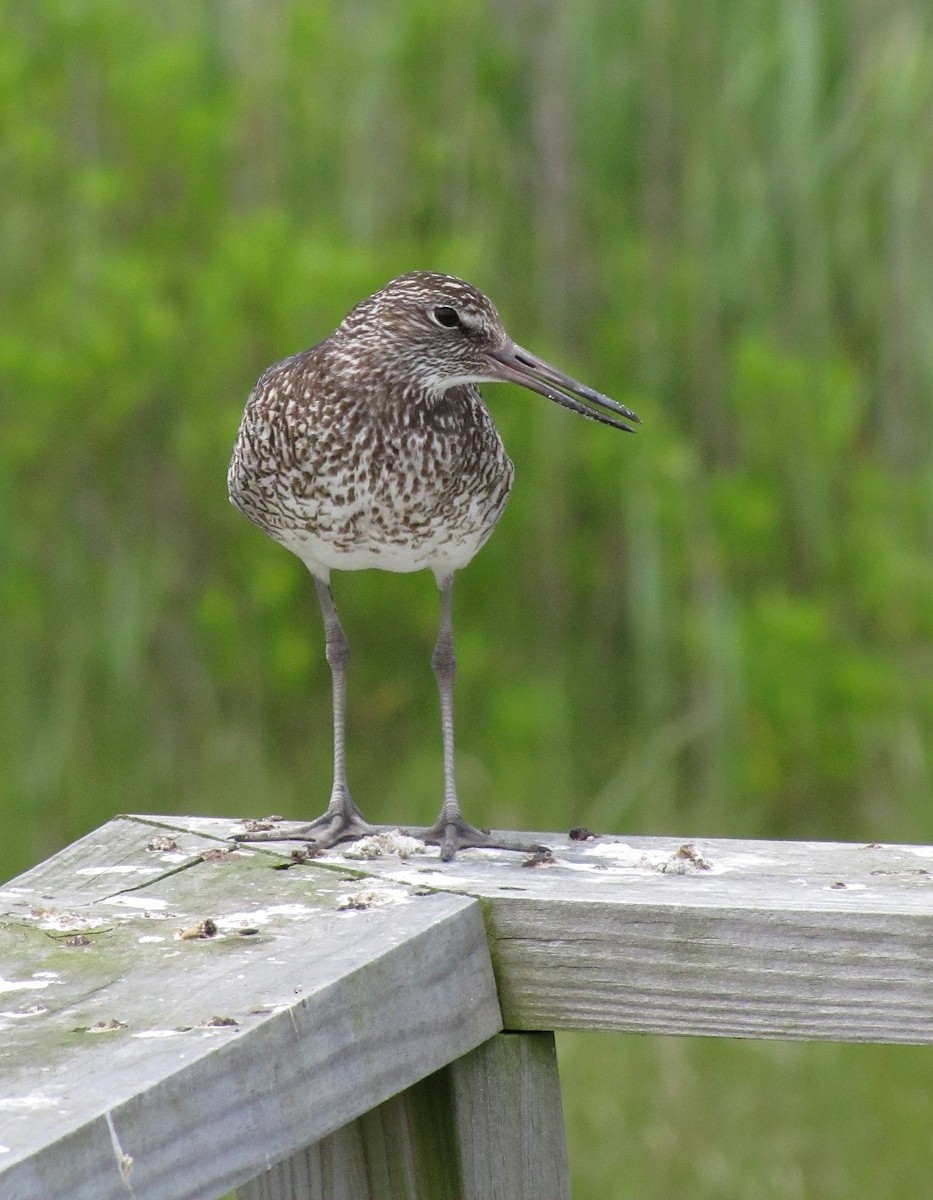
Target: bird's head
{"points": [[430, 332]]}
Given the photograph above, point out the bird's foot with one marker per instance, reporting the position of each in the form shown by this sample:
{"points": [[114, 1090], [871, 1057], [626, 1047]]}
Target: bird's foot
{"points": [[342, 822], [457, 834]]}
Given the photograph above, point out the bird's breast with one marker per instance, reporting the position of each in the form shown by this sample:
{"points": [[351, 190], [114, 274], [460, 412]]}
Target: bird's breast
{"points": [[351, 487]]}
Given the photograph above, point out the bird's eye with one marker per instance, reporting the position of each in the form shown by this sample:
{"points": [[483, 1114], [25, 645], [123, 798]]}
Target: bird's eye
{"points": [[448, 317]]}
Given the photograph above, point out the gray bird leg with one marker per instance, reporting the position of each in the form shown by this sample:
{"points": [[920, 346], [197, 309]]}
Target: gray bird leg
{"points": [[342, 818], [450, 831], [342, 821], [444, 663]]}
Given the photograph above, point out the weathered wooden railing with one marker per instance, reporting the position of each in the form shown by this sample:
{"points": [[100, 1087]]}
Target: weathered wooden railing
{"points": [[181, 1018]]}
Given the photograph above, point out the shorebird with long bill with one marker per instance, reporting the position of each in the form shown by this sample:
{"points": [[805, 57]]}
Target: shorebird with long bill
{"points": [[374, 449]]}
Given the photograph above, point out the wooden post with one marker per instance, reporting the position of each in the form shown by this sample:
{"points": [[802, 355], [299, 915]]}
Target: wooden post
{"points": [[487, 1127]]}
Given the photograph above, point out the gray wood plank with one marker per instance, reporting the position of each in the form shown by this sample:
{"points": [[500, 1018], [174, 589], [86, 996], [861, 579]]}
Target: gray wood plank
{"points": [[119, 1072], [487, 1127], [729, 938], [510, 1123]]}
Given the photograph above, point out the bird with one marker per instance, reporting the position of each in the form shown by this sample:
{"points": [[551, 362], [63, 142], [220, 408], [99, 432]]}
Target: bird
{"points": [[374, 449]]}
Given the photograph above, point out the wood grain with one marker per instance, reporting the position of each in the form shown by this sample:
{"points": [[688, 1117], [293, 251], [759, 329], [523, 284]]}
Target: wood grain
{"points": [[702, 936], [135, 1061], [119, 1072], [487, 1127]]}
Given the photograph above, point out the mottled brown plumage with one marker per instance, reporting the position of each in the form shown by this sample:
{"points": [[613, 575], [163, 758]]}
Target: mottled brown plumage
{"points": [[374, 449]]}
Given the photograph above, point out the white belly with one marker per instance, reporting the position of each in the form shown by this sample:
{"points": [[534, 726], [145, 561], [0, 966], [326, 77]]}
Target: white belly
{"points": [[366, 546]]}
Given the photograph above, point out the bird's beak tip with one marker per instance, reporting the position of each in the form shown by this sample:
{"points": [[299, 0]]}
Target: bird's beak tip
{"points": [[512, 364]]}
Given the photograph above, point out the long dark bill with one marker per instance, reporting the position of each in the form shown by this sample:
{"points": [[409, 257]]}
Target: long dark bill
{"points": [[515, 365]]}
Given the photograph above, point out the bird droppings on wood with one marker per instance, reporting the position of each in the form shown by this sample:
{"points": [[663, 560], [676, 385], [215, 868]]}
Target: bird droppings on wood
{"points": [[24, 1010], [249, 923], [620, 857], [372, 896], [161, 844], [542, 857], [28, 985], [220, 855], [689, 856], [918, 851], [298, 856], [203, 929], [259, 825], [379, 845], [55, 921]]}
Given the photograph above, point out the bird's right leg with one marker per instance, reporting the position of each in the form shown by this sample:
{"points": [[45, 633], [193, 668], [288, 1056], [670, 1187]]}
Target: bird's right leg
{"points": [[342, 821]]}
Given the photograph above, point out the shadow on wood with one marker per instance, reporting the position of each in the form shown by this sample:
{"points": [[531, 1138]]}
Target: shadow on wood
{"points": [[487, 1127]]}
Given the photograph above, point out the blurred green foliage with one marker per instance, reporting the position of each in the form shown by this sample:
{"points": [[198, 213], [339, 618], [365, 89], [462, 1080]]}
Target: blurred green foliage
{"points": [[720, 213]]}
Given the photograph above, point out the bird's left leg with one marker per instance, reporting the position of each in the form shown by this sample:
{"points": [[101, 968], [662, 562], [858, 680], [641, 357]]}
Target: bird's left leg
{"points": [[450, 831]]}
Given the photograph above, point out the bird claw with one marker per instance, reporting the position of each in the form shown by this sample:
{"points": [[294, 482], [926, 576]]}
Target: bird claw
{"points": [[322, 833], [458, 834], [331, 828]]}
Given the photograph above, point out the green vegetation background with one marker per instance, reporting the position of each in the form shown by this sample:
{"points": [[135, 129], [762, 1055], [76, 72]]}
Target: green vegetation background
{"points": [[720, 213]]}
